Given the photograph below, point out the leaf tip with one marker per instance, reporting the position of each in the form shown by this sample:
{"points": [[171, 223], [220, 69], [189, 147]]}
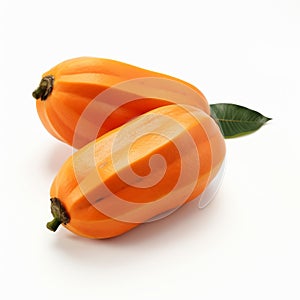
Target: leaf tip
{"points": [[267, 119]]}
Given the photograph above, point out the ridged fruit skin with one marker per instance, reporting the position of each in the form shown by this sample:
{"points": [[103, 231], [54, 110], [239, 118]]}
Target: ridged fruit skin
{"points": [[88, 183], [78, 81]]}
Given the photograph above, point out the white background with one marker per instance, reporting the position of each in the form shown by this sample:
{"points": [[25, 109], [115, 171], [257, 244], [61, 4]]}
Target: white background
{"points": [[246, 243]]}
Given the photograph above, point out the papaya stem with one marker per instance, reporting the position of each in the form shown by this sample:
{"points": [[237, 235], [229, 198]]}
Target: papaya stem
{"points": [[45, 88], [53, 225], [59, 213]]}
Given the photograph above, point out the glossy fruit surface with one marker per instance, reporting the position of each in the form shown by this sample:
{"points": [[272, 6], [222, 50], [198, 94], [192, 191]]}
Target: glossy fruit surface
{"points": [[140, 170], [82, 98]]}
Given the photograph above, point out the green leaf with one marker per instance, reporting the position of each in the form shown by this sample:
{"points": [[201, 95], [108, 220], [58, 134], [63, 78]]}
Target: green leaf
{"points": [[235, 120]]}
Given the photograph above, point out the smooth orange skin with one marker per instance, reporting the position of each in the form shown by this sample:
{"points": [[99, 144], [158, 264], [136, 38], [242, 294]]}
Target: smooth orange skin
{"points": [[81, 180], [78, 81]]}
